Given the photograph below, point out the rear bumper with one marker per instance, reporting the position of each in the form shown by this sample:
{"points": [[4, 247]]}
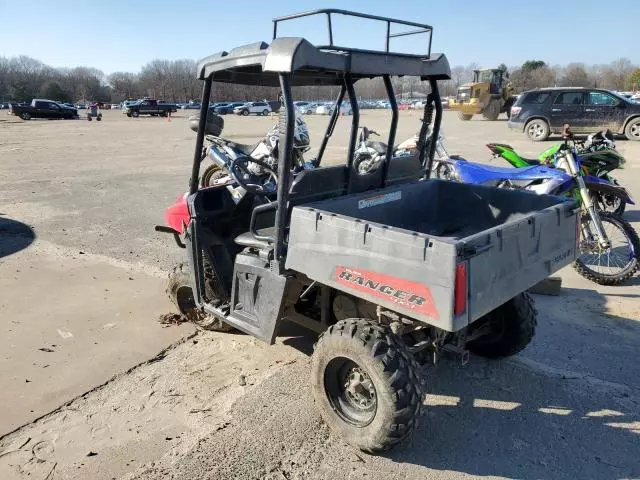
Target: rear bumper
{"points": [[516, 125]]}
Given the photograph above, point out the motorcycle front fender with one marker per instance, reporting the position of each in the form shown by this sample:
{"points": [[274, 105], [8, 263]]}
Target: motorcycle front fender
{"points": [[605, 187]]}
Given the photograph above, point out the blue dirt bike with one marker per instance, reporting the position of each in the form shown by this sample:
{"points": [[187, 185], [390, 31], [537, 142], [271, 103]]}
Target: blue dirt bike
{"points": [[609, 247]]}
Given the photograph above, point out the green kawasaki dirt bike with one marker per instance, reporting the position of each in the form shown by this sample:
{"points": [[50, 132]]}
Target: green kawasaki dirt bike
{"points": [[598, 158]]}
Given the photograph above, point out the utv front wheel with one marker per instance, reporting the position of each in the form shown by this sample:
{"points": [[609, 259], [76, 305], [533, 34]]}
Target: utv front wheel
{"points": [[507, 330], [180, 293], [366, 384]]}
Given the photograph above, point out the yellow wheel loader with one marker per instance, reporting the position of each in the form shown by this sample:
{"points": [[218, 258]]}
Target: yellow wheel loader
{"points": [[490, 94]]}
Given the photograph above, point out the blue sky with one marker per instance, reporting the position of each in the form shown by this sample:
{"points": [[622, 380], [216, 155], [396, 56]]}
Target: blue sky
{"points": [[117, 35]]}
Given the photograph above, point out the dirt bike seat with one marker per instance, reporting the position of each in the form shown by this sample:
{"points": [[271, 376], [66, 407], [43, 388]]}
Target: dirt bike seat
{"points": [[379, 147], [480, 173], [244, 148]]}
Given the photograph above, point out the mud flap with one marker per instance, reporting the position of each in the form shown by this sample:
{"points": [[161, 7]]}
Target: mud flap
{"points": [[257, 298]]}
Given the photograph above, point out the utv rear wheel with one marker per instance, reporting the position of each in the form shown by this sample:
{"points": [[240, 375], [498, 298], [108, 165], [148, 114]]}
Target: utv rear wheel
{"points": [[180, 293], [632, 130], [509, 328], [464, 116], [366, 385], [537, 130]]}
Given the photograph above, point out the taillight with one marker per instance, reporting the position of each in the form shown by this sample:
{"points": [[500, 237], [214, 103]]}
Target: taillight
{"points": [[515, 111], [460, 291]]}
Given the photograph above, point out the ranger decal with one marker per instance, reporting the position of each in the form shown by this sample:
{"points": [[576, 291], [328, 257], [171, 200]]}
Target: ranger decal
{"points": [[410, 295]]}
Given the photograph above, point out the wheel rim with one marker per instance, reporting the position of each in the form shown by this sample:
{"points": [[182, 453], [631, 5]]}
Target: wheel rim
{"points": [[635, 130], [536, 130], [211, 175], [350, 391], [612, 260]]}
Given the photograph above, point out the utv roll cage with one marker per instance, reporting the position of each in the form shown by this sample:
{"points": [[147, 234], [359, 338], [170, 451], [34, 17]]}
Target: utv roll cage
{"points": [[292, 61]]}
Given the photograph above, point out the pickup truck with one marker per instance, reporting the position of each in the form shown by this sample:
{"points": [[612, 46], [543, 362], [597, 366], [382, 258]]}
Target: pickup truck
{"points": [[40, 108], [148, 107]]}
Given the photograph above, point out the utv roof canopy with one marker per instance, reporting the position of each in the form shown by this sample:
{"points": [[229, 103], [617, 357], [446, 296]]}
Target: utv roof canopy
{"points": [[260, 63]]}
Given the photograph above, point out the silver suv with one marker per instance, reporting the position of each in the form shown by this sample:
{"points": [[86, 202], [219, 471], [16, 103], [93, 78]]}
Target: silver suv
{"points": [[258, 108]]}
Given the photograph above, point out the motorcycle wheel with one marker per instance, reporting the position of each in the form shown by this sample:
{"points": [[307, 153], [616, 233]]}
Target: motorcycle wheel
{"points": [[610, 203], [211, 175], [617, 263], [444, 171]]}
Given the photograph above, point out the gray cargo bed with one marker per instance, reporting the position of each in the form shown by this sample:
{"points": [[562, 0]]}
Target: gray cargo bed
{"points": [[401, 247]]}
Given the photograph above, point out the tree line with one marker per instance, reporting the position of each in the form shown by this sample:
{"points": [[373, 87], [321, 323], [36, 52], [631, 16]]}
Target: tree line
{"points": [[23, 78]]}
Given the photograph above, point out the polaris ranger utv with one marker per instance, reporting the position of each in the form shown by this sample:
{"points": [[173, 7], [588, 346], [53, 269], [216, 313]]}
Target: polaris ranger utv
{"points": [[388, 267]]}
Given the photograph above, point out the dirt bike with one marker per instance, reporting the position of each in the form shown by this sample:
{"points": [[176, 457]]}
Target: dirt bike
{"points": [[222, 152], [598, 158], [609, 246]]}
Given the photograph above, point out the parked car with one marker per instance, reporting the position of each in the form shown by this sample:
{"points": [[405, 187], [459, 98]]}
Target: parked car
{"points": [[148, 107], [542, 112], [81, 106], [191, 106], [257, 108], [323, 109], [40, 108], [225, 108], [115, 105], [300, 104], [308, 108], [327, 109]]}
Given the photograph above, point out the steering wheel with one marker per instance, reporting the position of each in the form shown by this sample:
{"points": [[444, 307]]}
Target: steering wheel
{"points": [[248, 180]]}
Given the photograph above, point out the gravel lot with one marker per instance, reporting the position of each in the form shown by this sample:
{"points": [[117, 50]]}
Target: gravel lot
{"points": [[81, 275]]}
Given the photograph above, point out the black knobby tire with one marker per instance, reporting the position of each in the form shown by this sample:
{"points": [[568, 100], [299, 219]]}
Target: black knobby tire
{"points": [[387, 364], [511, 328], [465, 116], [180, 292], [610, 203], [211, 174], [629, 270], [632, 130]]}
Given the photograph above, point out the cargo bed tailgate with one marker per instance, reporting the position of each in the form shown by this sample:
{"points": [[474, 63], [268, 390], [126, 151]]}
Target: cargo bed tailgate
{"points": [[511, 258]]}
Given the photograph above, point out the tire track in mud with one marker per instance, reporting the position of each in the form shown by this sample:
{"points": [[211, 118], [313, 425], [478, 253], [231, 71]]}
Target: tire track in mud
{"points": [[161, 406]]}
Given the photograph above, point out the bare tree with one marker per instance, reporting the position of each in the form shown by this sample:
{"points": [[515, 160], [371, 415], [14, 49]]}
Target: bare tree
{"points": [[575, 75]]}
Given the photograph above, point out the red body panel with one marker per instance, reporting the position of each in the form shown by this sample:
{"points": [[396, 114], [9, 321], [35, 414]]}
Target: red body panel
{"points": [[177, 215], [411, 295]]}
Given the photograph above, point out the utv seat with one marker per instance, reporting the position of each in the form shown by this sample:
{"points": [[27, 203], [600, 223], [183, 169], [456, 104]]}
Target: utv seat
{"points": [[247, 239]]}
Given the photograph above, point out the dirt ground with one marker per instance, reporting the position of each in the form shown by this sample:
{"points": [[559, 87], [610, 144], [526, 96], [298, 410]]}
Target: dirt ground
{"points": [[93, 387]]}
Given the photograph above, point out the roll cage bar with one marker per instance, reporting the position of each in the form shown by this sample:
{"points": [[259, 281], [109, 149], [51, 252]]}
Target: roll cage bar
{"points": [[294, 61]]}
